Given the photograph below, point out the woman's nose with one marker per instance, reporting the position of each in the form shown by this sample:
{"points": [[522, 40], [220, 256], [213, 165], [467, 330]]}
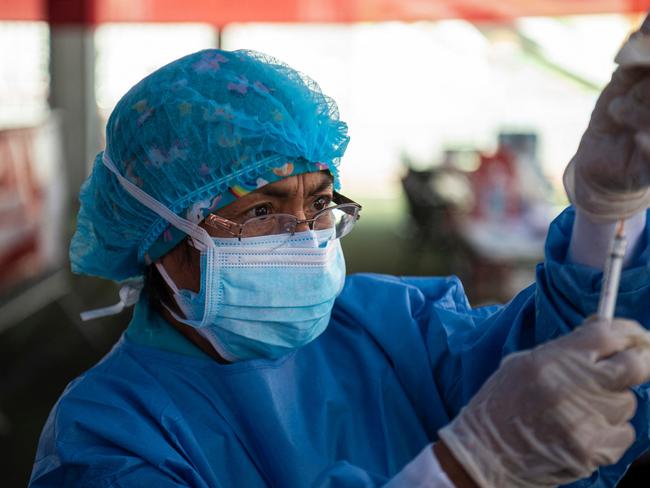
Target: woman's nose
{"points": [[302, 226], [301, 216], [295, 208]]}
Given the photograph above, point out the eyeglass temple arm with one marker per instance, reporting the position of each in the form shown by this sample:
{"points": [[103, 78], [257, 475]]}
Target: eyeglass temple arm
{"points": [[340, 199], [225, 224]]}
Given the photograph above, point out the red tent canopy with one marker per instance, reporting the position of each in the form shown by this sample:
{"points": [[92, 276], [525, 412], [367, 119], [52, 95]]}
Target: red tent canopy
{"points": [[220, 12]]}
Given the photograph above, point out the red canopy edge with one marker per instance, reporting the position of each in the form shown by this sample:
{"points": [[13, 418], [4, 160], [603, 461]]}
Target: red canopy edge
{"points": [[220, 12], [22, 10]]}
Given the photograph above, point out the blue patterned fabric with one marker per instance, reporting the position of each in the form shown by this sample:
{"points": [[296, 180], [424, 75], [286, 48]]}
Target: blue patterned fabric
{"points": [[198, 131]]}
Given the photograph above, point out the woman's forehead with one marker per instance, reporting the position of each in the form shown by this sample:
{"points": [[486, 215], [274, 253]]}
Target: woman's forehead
{"points": [[305, 183], [297, 186]]}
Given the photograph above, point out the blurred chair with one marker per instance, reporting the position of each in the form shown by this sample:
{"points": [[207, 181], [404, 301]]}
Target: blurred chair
{"points": [[432, 197]]}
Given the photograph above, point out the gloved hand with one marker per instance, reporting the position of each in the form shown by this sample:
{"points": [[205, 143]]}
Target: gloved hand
{"points": [[609, 176], [553, 414]]}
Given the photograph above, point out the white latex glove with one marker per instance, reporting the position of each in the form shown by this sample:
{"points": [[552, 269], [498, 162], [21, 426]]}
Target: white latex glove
{"points": [[609, 176], [552, 415]]}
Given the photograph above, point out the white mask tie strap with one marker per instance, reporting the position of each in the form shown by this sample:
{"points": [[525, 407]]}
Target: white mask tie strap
{"points": [[155, 206], [129, 296]]}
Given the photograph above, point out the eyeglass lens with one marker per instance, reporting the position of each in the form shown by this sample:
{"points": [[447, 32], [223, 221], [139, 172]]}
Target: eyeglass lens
{"points": [[340, 219]]}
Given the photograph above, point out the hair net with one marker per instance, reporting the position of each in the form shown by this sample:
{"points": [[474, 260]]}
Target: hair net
{"points": [[206, 125]]}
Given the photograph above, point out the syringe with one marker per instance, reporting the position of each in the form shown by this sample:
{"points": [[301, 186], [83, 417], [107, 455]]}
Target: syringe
{"points": [[612, 274], [635, 52]]}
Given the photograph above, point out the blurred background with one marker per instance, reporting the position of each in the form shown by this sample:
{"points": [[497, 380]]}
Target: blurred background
{"points": [[462, 116]]}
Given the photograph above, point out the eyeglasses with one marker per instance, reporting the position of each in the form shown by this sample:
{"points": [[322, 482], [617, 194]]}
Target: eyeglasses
{"points": [[328, 224]]}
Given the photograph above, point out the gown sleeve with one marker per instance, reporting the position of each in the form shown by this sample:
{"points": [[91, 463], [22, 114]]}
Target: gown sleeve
{"points": [[443, 350]]}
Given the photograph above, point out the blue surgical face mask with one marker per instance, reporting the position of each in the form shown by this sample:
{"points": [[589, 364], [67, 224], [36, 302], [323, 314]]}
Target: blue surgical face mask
{"points": [[258, 300]]}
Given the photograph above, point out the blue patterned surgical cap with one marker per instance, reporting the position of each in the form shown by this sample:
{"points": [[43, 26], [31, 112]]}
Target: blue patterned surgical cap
{"points": [[198, 128]]}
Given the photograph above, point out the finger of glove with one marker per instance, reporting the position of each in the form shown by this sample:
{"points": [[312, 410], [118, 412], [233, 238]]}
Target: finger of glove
{"points": [[644, 28], [623, 79], [590, 445], [589, 440], [625, 369], [636, 50], [610, 443], [588, 398], [602, 338], [642, 140], [615, 407], [627, 111], [637, 172], [634, 332]]}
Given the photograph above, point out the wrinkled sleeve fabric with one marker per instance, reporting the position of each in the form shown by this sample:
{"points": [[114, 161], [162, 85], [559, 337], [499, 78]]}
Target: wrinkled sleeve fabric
{"points": [[431, 318]]}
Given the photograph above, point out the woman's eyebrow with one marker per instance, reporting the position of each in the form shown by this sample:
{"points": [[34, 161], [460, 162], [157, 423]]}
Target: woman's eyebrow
{"points": [[272, 192], [326, 183]]}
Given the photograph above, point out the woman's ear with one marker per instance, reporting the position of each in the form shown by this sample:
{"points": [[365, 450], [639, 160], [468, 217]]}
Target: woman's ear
{"points": [[183, 264]]}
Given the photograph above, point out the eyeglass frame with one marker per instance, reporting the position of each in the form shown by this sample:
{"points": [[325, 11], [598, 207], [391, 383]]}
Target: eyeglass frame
{"points": [[215, 220]]}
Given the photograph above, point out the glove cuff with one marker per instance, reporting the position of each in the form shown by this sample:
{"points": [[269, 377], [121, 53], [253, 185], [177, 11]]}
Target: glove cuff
{"points": [[464, 438], [467, 459], [601, 205]]}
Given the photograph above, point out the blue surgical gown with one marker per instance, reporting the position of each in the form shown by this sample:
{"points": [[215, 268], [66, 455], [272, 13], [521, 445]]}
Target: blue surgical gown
{"points": [[399, 359]]}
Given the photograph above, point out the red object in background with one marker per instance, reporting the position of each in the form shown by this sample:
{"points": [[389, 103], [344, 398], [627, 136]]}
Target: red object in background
{"points": [[220, 12], [20, 208], [495, 187]]}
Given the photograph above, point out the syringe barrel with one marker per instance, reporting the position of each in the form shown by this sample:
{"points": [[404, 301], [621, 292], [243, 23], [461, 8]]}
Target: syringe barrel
{"points": [[612, 278]]}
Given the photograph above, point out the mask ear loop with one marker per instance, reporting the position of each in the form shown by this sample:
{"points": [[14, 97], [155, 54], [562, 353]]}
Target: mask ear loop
{"points": [[168, 279], [165, 276], [197, 233], [212, 340]]}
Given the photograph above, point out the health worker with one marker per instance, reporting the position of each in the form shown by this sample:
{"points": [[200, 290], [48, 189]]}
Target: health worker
{"points": [[251, 360]]}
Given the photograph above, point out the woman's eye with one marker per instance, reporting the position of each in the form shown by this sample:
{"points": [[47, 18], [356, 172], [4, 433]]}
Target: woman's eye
{"points": [[322, 202], [259, 211]]}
